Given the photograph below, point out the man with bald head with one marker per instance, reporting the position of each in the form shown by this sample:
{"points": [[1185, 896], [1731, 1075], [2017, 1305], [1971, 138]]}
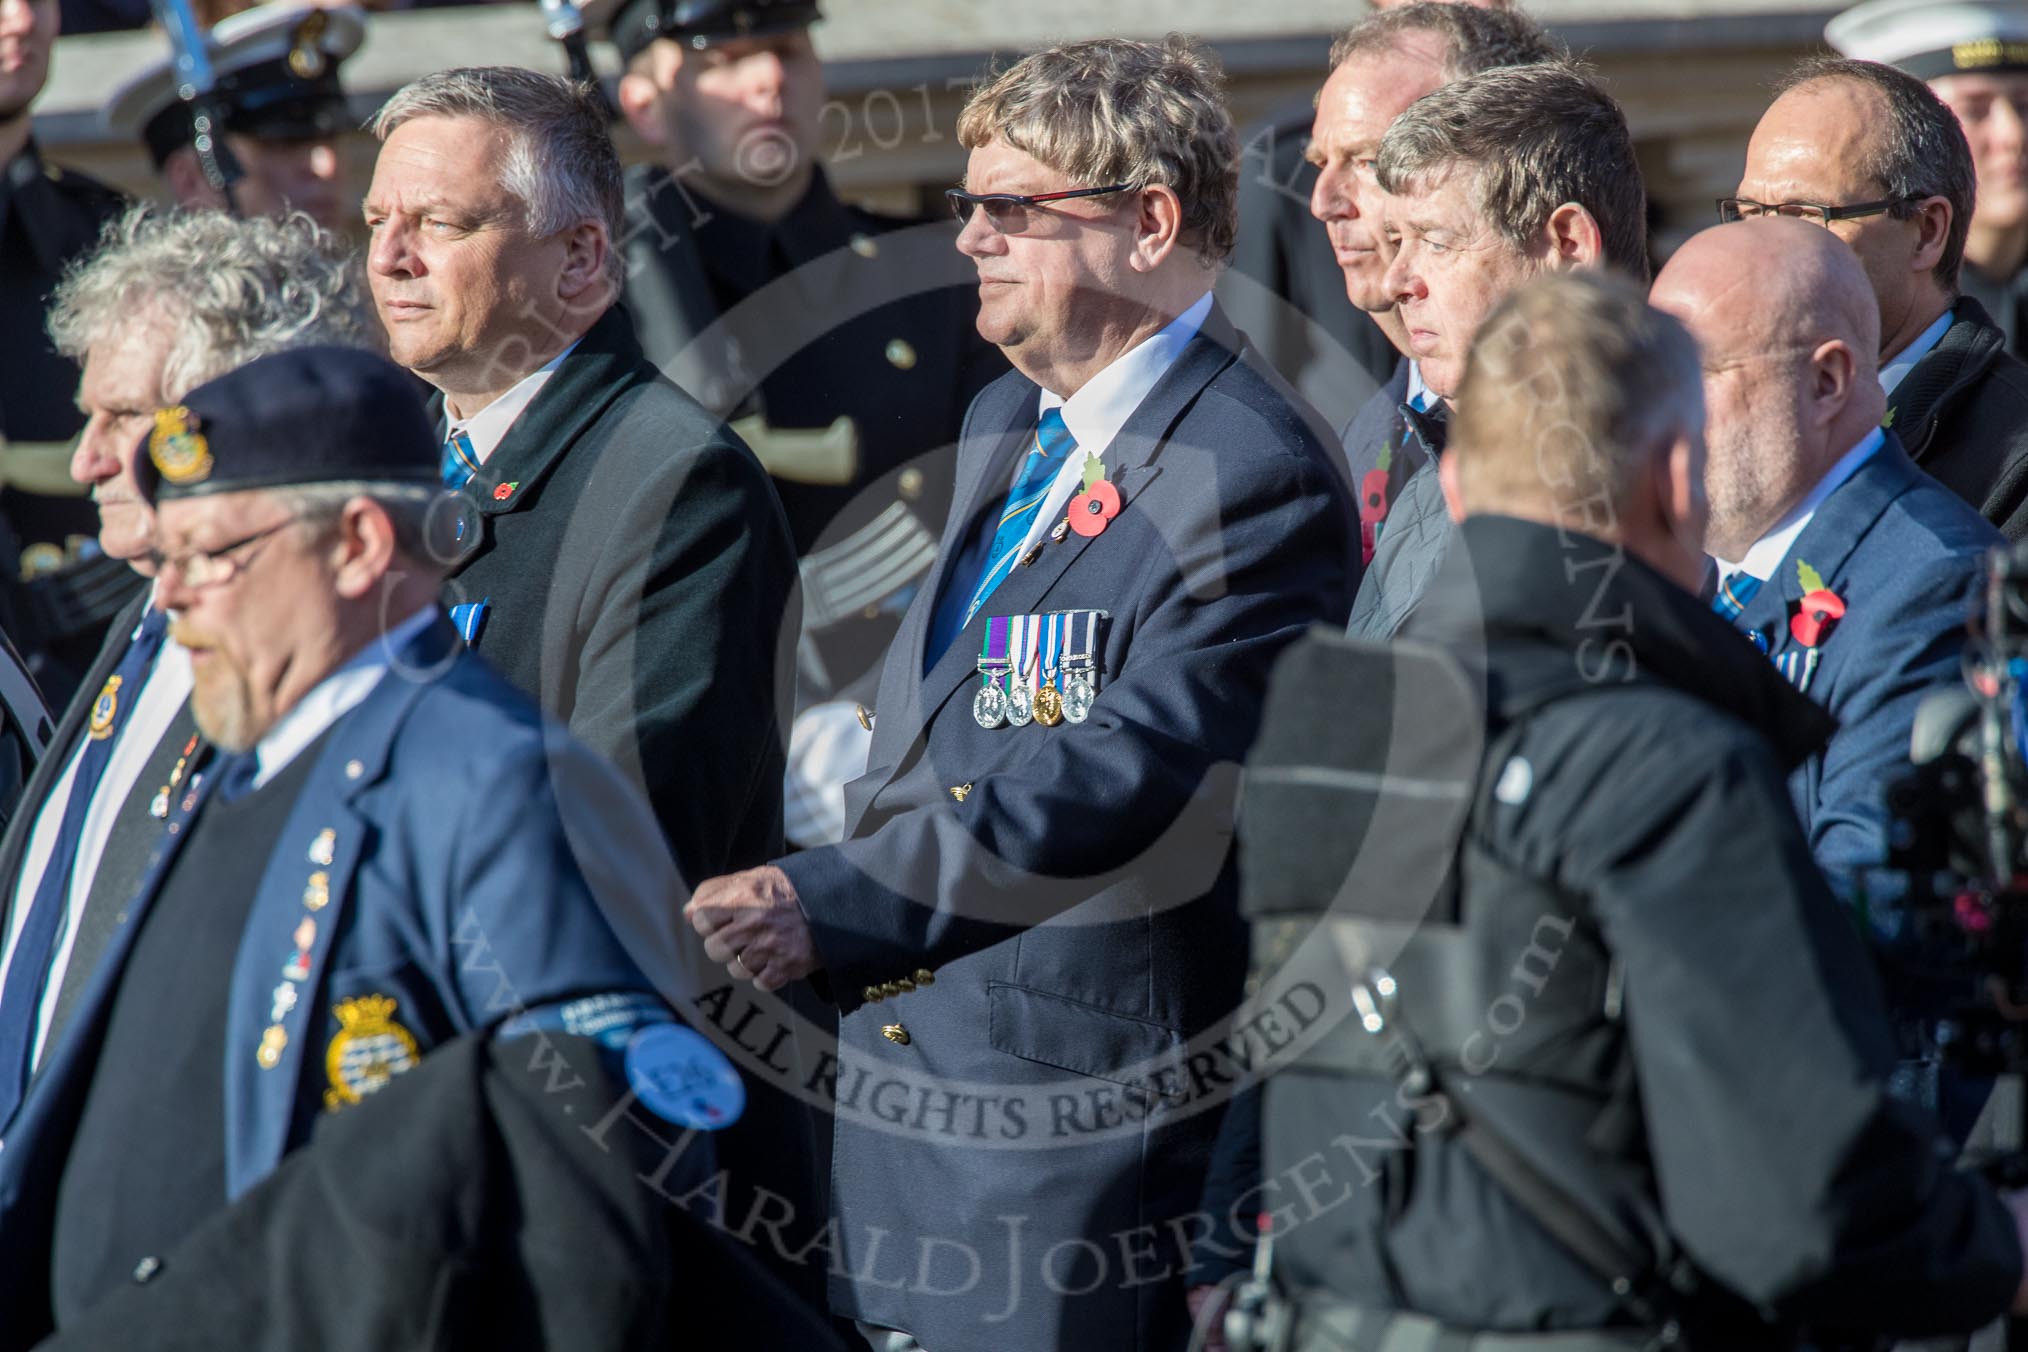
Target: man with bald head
{"points": [[1872, 155], [1841, 560]]}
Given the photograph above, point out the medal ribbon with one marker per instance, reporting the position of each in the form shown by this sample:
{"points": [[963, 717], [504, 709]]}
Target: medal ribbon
{"points": [[1027, 645], [993, 653], [1057, 631]]}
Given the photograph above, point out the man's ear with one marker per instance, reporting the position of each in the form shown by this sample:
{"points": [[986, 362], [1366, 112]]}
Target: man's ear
{"points": [[1933, 229], [1682, 490], [363, 552], [1447, 478], [586, 248], [1829, 388], [1573, 239], [1158, 228]]}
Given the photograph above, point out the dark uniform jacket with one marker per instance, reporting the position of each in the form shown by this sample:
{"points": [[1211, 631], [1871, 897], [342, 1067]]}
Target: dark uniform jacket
{"points": [[832, 313], [434, 854], [49, 217], [1057, 902], [488, 1198], [1907, 557], [636, 578], [1700, 1054], [1962, 412]]}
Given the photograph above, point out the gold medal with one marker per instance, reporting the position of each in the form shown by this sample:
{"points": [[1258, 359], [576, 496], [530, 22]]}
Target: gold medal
{"points": [[1048, 706]]}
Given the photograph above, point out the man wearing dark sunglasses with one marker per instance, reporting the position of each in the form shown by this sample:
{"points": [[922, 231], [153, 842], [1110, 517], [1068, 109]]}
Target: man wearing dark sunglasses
{"points": [[1871, 154], [1034, 904]]}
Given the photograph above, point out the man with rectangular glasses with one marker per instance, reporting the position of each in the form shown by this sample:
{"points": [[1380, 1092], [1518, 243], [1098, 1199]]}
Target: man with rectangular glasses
{"points": [[1033, 912], [1871, 154]]}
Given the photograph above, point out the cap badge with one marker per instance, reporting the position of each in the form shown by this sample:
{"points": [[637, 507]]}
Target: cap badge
{"points": [[306, 47], [179, 450]]}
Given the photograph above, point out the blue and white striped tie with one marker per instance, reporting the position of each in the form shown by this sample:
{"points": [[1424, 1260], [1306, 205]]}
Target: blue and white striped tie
{"points": [[1053, 445]]}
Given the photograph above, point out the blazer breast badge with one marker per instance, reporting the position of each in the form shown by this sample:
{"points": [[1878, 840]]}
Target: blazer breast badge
{"points": [[369, 1050]]}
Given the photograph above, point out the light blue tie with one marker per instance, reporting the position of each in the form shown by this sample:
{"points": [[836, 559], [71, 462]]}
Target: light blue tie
{"points": [[1735, 592], [1053, 445], [460, 461]]}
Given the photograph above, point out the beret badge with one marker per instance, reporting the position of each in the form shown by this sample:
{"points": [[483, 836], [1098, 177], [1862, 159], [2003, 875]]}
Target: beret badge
{"points": [[179, 451]]}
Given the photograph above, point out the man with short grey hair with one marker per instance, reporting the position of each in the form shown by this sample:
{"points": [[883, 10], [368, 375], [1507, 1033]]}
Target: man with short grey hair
{"points": [[621, 555], [166, 304], [1289, 280], [1490, 180], [1033, 912], [1870, 153]]}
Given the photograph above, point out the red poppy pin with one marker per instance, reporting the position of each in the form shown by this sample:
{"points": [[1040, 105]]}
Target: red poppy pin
{"points": [[505, 491], [1818, 612], [1098, 504]]}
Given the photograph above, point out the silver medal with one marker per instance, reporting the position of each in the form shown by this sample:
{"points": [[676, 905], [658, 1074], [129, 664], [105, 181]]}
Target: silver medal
{"points": [[989, 706], [1021, 705], [1078, 694]]}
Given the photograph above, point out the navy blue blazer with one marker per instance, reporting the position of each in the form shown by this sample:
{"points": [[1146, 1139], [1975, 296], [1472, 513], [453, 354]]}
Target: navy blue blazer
{"points": [[1906, 556], [430, 847], [1025, 927]]}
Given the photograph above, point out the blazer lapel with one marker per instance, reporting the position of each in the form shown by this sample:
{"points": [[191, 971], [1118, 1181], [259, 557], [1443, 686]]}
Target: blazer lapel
{"points": [[310, 875], [49, 767], [1004, 417], [1840, 523], [605, 362], [75, 1051], [1129, 464]]}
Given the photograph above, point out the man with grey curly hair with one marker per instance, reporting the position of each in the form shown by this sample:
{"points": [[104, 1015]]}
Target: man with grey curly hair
{"points": [[1036, 869], [168, 302]]}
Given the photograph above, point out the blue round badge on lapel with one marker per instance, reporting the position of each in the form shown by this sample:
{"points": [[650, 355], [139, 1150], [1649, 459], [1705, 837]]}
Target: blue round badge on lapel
{"points": [[683, 1079]]}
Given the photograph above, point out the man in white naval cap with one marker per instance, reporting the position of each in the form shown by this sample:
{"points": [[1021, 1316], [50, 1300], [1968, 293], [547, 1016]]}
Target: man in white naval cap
{"points": [[284, 110], [1974, 54]]}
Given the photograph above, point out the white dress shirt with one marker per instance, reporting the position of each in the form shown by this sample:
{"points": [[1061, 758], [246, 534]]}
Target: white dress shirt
{"points": [[1096, 413], [1420, 396], [1769, 551], [488, 427], [1893, 372], [162, 693], [827, 745], [333, 697]]}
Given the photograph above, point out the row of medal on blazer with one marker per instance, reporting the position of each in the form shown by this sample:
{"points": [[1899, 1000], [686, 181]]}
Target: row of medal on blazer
{"points": [[1038, 669]]}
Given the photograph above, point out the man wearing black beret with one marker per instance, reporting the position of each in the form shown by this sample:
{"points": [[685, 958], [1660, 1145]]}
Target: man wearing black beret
{"points": [[377, 861]]}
